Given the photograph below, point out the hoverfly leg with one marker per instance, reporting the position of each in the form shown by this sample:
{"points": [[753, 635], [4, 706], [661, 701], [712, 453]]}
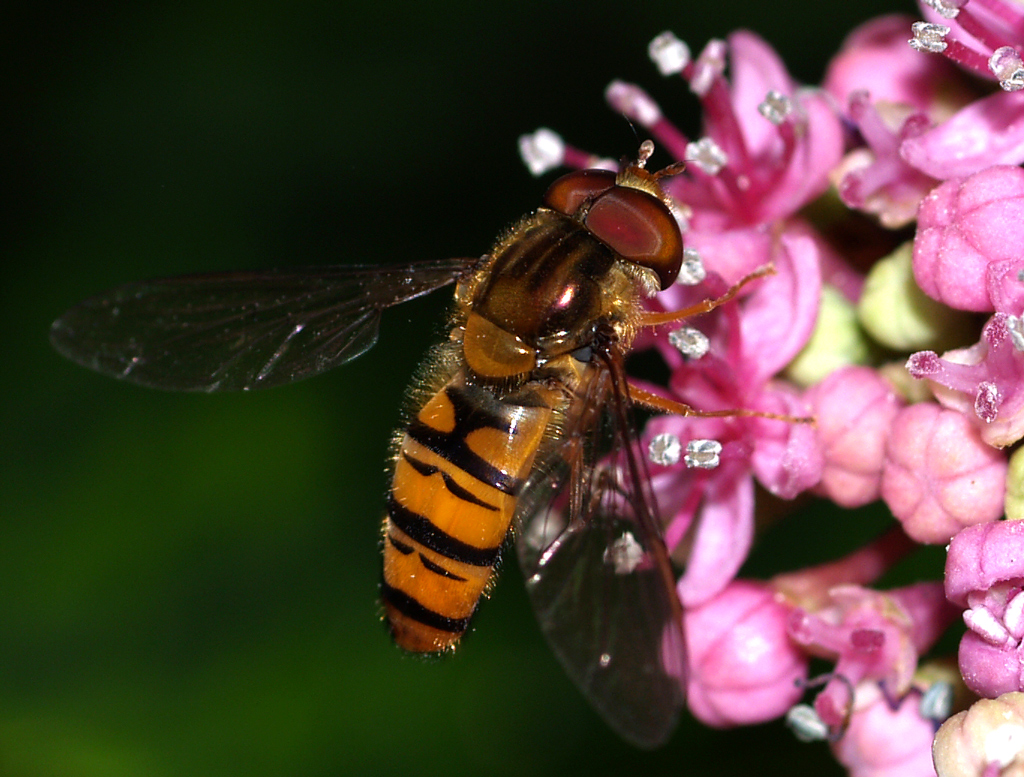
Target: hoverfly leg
{"points": [[659, 404], [653, 318]]}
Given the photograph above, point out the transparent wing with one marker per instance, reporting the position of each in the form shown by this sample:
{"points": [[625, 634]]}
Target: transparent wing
{"points": [[241, 330], [598, 573]]}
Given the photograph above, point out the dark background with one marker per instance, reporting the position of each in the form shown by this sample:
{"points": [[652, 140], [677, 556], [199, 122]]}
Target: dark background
{"points": [[188, 583]]}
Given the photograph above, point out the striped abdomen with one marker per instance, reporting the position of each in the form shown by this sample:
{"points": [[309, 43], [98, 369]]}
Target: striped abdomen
{"points": [[458, 472]]}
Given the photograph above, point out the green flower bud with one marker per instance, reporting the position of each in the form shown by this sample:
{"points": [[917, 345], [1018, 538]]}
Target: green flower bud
{"points": [[897, 314], [837, 341]]}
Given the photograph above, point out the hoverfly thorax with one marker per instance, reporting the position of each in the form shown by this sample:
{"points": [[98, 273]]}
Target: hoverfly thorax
{"points": [[600, 240]]}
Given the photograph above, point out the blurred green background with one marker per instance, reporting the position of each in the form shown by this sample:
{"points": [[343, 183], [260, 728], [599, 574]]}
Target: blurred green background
{"points": [[188, 583]]}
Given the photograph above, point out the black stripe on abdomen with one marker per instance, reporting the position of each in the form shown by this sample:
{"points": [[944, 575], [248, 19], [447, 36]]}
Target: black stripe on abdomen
{"points": [[437, 569], [452, 446], [412, 609], [423, 531], [454, 488], [474, 408]]}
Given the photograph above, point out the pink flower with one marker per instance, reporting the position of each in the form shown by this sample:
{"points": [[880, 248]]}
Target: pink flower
{"points": [[777, 142], [871, 636], [767, 148], [892, 94], [985, 574], [985, 382], [854, 408], [747, 342], [966, 250], [983, 36], [876, 59], [875, 178], [939, 476], [886, 738], [766, 152], [743, 667]]}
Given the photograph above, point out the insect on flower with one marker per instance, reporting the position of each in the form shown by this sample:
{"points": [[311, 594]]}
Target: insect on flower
{"points": [[523, 419]]}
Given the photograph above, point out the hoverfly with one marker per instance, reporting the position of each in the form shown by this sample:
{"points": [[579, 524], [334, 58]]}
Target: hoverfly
{"points": [[523, 421]]}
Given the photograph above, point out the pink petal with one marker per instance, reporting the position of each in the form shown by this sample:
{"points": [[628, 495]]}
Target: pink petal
{"points": [[723, 537], [755, 69], [787, 458], [779, 315], [989, 131]]}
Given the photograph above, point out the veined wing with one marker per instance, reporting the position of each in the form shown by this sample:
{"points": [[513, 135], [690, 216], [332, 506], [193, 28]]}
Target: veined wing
{"points": [[241, 330], [598, 573]]}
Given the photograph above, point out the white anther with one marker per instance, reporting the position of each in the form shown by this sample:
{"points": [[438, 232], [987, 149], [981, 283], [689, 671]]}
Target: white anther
{"points": [[692, 272], [937, 702], [983, 623], [929, 37], [947, 9], [665, 449], [706, 155], [624, 554], [669, 53], [806, 724], [1016, 326], [708, 66], [1013, 616], [776, 107], [690, 342], [1006, 65], [702, 454], [542, 150]]}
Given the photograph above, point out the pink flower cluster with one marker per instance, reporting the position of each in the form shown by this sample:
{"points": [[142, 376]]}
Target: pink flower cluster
{"points": [[908, 355]]}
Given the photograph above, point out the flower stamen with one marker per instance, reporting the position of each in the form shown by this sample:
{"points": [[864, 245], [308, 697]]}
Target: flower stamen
{"points": [[665, 449], [706, 155], [690, 342], [702, 454], [928, 37], [670, 54], [776, 107], [692, 272], [1006, 65]]}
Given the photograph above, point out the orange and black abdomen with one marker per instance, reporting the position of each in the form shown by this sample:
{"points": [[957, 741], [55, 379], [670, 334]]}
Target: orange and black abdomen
{"points": [[525, 326], [458, 473]]}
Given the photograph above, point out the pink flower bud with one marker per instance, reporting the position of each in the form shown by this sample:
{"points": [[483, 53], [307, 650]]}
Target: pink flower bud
{"points": [[743, 667], [938, 475], [985, 574], [965, 226], [881, 741], [854, 408]]}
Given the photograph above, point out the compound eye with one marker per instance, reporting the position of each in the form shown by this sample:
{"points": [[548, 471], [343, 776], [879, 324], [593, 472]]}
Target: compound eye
{"points": [[640, 228], [570, 191]]}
